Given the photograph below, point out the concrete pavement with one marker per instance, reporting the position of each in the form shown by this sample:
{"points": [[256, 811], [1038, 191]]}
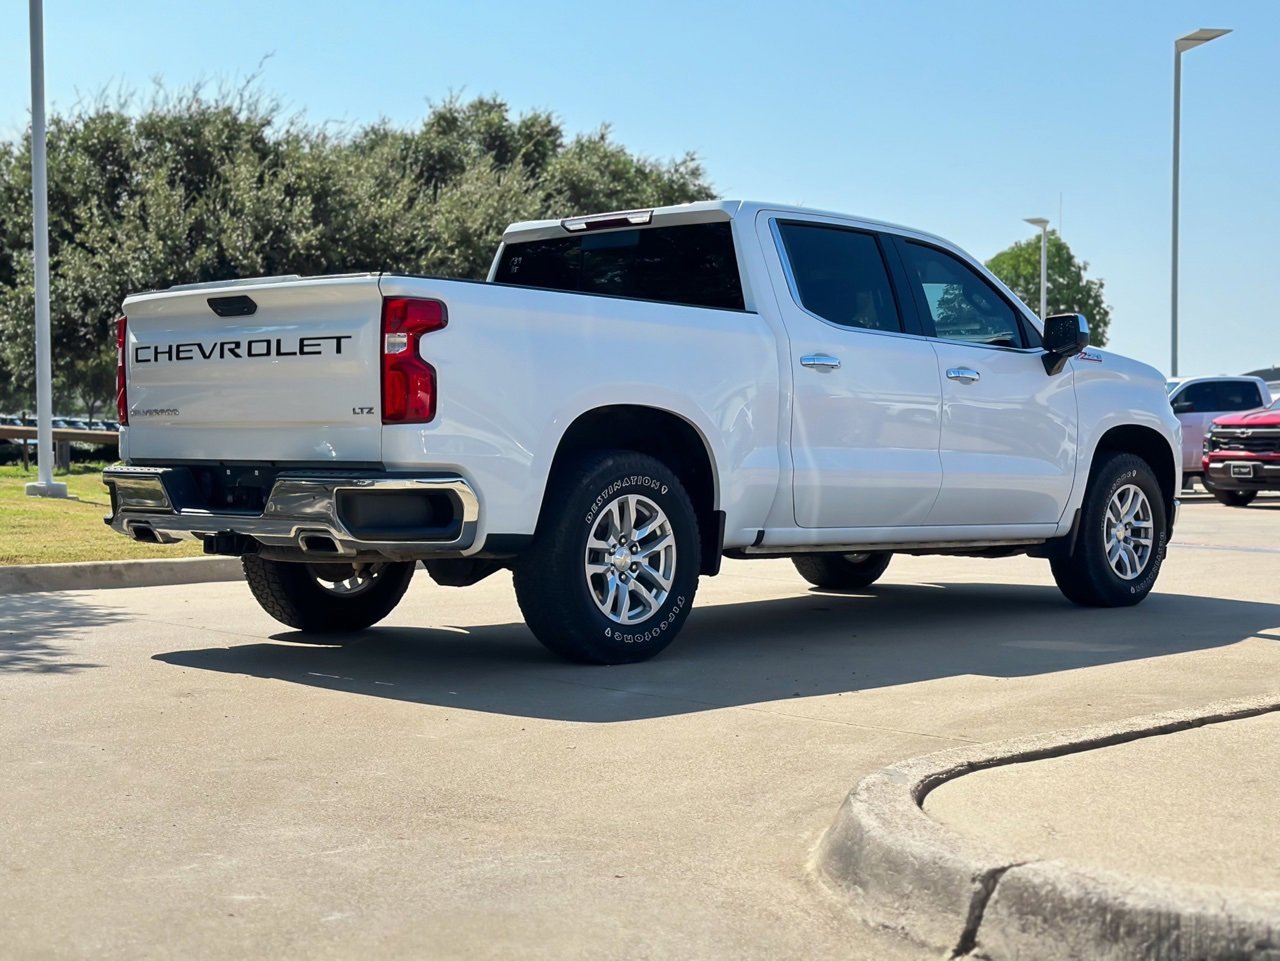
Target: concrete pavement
{"points": [[94, 575], [957, 879], [1161, 847], [1200, 806], [180, 777]]}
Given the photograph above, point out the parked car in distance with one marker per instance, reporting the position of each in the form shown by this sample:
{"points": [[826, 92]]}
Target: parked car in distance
{"points": [[1242, 456], [1197, 401], [16, 420]]}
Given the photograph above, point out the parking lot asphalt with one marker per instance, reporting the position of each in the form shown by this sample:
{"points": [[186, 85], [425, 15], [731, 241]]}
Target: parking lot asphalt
{"points": [[180, 776]]}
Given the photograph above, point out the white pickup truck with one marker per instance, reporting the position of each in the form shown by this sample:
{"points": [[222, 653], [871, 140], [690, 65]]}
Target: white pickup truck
{"points": [[628, 398]]}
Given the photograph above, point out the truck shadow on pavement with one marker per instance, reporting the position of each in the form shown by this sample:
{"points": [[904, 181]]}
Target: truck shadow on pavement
{"points": [[31, 625], [753, 652]]}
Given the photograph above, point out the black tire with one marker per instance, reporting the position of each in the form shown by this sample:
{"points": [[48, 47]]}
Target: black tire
{"points": [[842, 572], [557, 595], [1085, 575], [296, 595], [1233, 498]]}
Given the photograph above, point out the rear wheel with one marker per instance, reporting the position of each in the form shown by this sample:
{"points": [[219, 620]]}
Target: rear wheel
{"points": [[327, 598], [1120, 544], [614, 565], [842, 572]]}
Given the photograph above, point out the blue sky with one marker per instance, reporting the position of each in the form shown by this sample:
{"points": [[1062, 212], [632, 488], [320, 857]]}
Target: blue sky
{"points": [[959, 118]]}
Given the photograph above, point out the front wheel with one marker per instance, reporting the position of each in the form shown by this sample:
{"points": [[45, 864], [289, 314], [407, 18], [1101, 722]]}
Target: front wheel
{"points": [[614, 565], [327, 598], [1233, 498], [842, 572], [1120, 544]]}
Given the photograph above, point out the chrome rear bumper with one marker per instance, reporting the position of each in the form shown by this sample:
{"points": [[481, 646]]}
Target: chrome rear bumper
{"points": [[319, 513]]}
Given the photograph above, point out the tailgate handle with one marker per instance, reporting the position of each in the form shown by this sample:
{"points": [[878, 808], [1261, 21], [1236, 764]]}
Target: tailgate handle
{"points": [[238, 306]]}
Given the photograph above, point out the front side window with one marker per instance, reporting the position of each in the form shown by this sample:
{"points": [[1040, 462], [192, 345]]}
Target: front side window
{"points": [[964, 306], [692, 264], [840, 276], [1197, 398]]}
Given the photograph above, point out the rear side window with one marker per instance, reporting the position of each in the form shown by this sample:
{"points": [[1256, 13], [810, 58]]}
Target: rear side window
{"points": [[691, 264], [840, 276], [1238, 395]]}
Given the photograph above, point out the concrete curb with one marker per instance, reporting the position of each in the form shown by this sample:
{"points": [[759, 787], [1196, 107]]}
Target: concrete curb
{"points": [[903, 870], [95, 575]]}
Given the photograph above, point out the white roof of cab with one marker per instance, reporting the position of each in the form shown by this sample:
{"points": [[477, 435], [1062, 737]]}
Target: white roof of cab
{"points": [[702, 211], [1188, 380]]}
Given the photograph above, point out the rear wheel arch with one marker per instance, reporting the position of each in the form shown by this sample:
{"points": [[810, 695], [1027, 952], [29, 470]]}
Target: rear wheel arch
{"points": [[660, 434]]}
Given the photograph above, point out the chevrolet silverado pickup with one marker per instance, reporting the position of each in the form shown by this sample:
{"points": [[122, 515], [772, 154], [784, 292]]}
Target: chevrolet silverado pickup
{"points": [[1242, 456], [628, 398]]}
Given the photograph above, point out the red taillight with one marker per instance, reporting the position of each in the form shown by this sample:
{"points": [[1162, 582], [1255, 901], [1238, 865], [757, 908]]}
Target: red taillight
{"points": [[122, 394], [408, 381]]}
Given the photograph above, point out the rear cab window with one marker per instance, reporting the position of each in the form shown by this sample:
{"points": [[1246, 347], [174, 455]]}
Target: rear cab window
{"points": [[690, 264]]}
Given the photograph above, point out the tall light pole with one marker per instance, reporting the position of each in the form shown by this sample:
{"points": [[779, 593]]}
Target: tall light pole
{"points": [[1203, 35], [1044, 262], [45, 486]]}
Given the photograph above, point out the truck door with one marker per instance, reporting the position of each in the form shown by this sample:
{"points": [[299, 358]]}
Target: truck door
{"points": [[1009, 431], [866, 396]]}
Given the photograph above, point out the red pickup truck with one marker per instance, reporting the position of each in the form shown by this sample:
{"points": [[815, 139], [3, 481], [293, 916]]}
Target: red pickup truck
{"points": [[1242, 455]]}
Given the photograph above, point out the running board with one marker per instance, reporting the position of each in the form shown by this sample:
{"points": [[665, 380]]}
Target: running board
{"points": [[901, 547]]}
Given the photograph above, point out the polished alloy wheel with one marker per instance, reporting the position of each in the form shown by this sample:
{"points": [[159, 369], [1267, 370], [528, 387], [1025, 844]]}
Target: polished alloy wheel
{"points": [[1127, 532], [630, 559], [345, 579]]}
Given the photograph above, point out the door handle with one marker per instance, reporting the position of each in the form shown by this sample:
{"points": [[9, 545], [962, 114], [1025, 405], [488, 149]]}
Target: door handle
{"points": [[820, 361], [966, 375]]}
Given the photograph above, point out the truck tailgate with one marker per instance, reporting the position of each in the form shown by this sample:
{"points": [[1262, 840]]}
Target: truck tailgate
{"points": [[270, 370]]}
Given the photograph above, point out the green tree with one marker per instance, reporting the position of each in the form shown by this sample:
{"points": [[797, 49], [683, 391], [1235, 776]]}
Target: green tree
{"points": [[190, 187], [1070, 291]]}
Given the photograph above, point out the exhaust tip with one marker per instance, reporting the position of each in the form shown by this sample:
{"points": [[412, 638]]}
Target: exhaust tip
{"points": [[144, 533], [319, 544]]}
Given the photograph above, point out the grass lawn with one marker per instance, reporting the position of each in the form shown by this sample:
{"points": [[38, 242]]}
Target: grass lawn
{"points": [[44, 530]]}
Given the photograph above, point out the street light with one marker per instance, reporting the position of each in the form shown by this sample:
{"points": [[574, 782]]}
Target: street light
{"points": [[1203, 35], [45, 486], [1044, 261]]}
